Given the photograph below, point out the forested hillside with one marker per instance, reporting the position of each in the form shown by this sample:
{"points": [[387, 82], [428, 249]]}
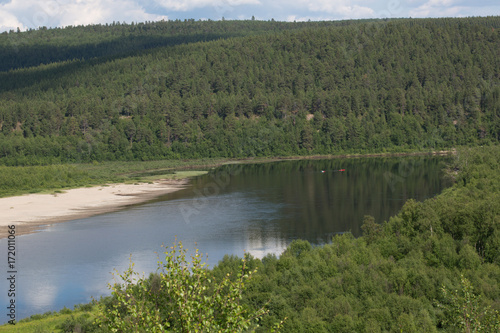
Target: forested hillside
{"points": [[44, 46], [247, 88]]}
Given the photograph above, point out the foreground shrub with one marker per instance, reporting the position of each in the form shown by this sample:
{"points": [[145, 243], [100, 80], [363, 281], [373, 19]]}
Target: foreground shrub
{"points": [[183, 296]]}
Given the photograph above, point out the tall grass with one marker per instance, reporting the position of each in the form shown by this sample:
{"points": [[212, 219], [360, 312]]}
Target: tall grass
{"points": [[33, 179]]}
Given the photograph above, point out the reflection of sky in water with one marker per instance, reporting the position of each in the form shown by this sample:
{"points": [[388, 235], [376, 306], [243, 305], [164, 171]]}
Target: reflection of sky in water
{"points": [[258, 212], [42, 293], [68, 263]]}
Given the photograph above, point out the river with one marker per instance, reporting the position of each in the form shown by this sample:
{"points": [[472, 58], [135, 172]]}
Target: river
{"points": [[257, 208]]}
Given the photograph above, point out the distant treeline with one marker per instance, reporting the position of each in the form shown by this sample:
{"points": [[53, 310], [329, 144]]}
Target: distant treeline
{"points": [[247, 88]]}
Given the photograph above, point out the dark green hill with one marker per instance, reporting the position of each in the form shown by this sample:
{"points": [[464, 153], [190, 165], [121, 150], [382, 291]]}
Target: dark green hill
{"points": [[249, 88], [44, 46]]}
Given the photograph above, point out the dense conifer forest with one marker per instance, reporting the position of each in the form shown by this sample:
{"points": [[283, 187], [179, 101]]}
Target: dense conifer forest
{"points": [[196, 89], [202, 89]]}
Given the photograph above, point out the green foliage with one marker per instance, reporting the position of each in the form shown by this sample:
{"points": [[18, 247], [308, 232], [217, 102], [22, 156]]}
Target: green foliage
{"points": [[79, 320], [65, 310], [183, 296], [83, 323], [371, 230], [170, 90], [298, 248], [466, 311], [14, 180], [33, 179]]}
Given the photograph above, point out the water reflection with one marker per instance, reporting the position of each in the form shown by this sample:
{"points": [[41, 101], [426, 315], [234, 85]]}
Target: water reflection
{"points": [[257, 208], [316, 200], [260, 242]]}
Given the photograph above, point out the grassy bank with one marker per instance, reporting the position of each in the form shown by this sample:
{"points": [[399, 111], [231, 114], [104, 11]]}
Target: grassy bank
{"points": [[80, 319], [50, 178]]}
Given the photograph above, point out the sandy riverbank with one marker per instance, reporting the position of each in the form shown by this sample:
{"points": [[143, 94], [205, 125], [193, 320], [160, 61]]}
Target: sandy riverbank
{"points": [[34, 211], [31, 212]]}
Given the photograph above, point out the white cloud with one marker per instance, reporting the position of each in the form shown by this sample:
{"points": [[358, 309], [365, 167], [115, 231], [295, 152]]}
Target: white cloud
{"points": [[185, 5], [337, 8], [85, 12], [292, 18], [433, 8], [9, 21], [56, 13], [52, 13]]}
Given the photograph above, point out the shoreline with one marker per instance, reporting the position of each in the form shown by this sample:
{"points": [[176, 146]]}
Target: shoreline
{"points": [[33, 212], [367, 155]]}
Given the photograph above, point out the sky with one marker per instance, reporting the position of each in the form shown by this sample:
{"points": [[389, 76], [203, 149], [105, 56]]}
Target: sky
{"points": [[26, 14]]}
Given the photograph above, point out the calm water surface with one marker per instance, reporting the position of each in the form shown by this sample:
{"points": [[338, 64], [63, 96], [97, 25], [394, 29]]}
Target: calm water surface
{"points": [[257, 208]]}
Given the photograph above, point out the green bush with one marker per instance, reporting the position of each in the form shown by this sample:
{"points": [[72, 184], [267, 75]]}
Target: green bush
{"points": [[183, 297]]}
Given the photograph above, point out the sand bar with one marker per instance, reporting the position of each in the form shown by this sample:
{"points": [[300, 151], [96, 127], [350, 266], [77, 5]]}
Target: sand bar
{"points": [[30, 213]]}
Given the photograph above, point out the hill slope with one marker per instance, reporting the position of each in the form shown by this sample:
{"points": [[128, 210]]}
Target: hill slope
{"points": [[196, 90]]}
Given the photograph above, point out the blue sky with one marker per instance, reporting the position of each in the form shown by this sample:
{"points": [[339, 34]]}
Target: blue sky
{"points": [[58, 13]]}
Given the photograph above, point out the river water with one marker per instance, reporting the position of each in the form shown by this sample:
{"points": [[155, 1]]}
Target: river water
{"points": [[257, 208]]}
